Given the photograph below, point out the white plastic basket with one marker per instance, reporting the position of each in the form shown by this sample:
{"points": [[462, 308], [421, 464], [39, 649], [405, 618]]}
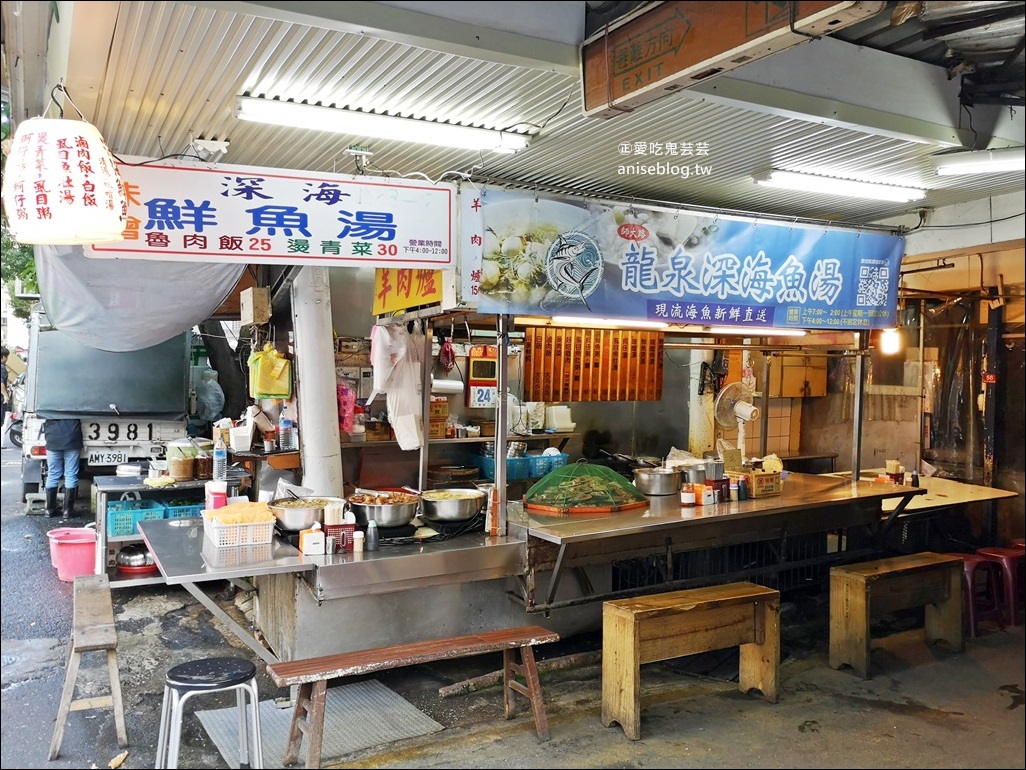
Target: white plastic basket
{"points": [[221, 535], [236, 555]]}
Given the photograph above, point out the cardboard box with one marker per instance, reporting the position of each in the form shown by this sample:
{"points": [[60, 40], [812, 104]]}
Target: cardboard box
{"points": [[439, 408], [487, 426], [436, 427], [760, 483], [255, 305], [376, 430]]}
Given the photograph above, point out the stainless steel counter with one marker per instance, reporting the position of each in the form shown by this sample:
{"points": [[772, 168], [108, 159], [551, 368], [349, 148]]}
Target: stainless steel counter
{"points": [[801, 492], [461, 559], [747, 533], [184, 555]]}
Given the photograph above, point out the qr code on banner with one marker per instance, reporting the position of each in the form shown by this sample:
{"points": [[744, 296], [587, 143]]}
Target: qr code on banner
{"points": [[874, 282]]}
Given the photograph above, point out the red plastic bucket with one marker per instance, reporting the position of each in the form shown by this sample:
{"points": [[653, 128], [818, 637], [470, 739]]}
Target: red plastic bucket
{"points": [[53, 534], [76, 554]]}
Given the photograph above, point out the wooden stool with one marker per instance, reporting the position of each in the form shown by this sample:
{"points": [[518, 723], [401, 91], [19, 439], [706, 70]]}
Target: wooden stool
{"points": [[92, 629], [669, 625], [1011, 561], [857, 591]]}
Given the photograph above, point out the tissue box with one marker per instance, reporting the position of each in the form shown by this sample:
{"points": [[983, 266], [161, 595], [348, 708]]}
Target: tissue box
{"points": [[311, 541], [760, 483]]}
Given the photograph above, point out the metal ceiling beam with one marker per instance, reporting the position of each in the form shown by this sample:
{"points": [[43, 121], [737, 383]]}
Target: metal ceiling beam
{"points": [[836, 83], [418, 29]]}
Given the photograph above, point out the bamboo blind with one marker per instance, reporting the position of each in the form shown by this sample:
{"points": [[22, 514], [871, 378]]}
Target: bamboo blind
{"points": [[569, 364]]}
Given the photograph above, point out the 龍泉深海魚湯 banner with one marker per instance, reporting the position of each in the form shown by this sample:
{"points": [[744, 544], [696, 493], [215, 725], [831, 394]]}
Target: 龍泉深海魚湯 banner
{"points": [[536, 256]]}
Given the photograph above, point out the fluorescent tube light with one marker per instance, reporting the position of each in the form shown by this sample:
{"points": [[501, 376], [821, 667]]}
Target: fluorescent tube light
{"points": [[591, 321], [343, 121], [981, 161], [792, 180], [756, 331]]}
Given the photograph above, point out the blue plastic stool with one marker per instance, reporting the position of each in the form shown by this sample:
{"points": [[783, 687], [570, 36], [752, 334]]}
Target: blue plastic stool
{"points": [[198, 677]]}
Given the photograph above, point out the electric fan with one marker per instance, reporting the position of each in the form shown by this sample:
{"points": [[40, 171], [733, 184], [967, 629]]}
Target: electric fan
{"points": [[734, 407]]}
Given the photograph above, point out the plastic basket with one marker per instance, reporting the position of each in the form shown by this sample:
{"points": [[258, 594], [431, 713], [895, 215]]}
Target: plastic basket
{"points": [[539, 465], [558, 461], [517, 468], [343, 534], [488, 467], [123, 516], [182, 511], [253, 533], [235, 555]]}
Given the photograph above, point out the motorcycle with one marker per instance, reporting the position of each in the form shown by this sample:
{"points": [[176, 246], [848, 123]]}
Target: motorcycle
{"points": [[16, 425]]}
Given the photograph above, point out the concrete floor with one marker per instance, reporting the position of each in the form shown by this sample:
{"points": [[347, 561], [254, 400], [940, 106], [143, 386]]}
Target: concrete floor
{"points": [[924, 707]]}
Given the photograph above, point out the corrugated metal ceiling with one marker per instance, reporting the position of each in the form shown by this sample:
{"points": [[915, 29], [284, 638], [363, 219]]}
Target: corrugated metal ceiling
{"points": [[174, 70]]}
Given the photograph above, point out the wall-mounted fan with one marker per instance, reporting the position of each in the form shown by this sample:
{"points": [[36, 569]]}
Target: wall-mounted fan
{"points": [[734, 407]]}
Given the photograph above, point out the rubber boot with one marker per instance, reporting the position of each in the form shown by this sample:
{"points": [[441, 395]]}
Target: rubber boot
{"points": [[51, 503], [69, 503]]}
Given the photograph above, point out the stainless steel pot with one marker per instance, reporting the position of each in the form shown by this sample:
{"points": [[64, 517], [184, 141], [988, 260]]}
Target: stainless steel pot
{"points": [[295, 514], [693, 474], [657, 481], [385, 514], [452, 504], [135, 555]]}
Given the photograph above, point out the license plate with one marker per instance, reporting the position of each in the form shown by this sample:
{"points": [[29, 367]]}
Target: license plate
{"points": [[107, 457]]}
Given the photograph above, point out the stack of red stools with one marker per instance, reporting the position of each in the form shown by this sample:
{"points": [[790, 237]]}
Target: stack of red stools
{"points": [[1012, 561]]}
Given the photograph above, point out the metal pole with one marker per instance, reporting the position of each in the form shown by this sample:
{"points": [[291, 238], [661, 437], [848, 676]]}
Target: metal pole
{"points": [[860, 389], [501, 420], [425, 403], [922, 385], [764, 417]]}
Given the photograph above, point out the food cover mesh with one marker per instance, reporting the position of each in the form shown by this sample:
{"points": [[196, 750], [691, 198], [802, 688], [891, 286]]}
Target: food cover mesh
{"points": [[583, 488]]}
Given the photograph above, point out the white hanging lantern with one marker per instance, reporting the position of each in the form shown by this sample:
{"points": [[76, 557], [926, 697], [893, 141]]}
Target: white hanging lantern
{"points": [[62, 186]]}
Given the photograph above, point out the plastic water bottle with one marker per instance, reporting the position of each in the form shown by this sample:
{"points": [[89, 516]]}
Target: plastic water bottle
{"points": [[371, 543], [286, 438], [220, 472]]}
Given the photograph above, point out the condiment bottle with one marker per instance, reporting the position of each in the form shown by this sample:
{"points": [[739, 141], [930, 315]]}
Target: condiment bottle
{"points": [[742, 489], [358, 542], [372, 535], [735, 491], [687, 496]]}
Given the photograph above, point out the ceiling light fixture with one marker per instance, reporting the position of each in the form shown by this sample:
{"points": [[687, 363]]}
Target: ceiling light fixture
{"points": [[756, 331], [625, 323], [352, 122], [792, 180], [981, 161]]}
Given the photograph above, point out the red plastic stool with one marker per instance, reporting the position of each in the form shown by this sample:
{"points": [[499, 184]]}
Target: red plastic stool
{"points": [[1011, 561], [981, 597]]}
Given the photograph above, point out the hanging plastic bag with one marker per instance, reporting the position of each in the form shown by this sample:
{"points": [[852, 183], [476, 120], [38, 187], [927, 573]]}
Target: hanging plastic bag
{"points": [[270, 374], [209, 397]]}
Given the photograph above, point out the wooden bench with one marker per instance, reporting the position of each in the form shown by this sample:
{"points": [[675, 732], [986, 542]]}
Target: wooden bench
{"points": [[859, 591], [92, 629], [669, 625], [312, 675]]}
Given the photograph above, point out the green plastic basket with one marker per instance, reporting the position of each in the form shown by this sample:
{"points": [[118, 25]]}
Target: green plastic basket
{"points": [[123, 516]]}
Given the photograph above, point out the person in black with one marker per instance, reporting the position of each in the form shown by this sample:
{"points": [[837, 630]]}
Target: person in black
{"points": [[5, 397], [63, 452]]}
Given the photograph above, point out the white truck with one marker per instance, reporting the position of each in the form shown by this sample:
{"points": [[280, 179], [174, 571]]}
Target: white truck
{"points": [[130, 403]]}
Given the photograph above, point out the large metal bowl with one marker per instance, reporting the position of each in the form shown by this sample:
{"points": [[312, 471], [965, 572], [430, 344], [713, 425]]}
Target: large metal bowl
{"points": [[452, 504], [299, 514], [385, 514], [657, 481]]}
